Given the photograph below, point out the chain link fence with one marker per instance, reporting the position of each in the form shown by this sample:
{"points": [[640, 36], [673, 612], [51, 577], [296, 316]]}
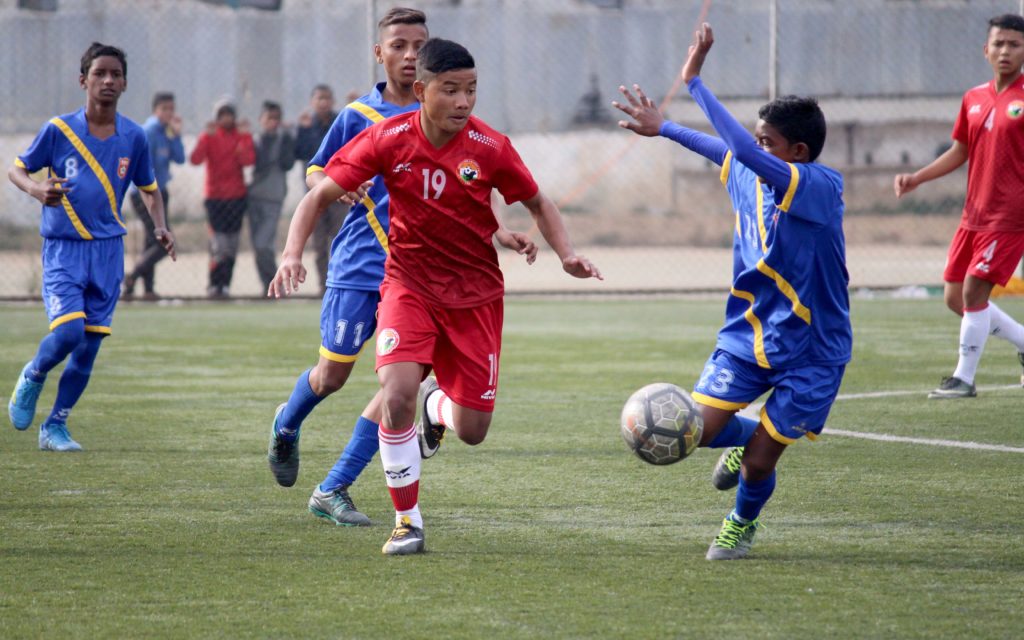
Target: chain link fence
{"points": [[888, 73]]}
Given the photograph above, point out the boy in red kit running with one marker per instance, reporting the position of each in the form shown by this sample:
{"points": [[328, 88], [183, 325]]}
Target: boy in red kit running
{"points": [[442, 293], [989, 136]]}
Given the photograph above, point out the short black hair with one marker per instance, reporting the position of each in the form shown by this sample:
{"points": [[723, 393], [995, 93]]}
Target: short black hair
{"points": [[270, 105], [98, 50], [321, 87], [438, 55], [798, 119], [161, 97], [401, 15], [1007, 21]]}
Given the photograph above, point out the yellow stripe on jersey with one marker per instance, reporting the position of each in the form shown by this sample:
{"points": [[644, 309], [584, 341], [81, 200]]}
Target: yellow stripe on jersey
{"points": [[150, 187], [378, 228], [75, 220], [755, 323], [90, 160], [366, 110], [337, 357], [794, 180], [761, 230], [67, 317], [95, 328], [313, 168], [787, 290], [724, 175], [716, 403]]}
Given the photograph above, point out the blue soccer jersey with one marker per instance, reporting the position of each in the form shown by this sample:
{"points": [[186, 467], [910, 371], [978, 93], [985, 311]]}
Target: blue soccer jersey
{"points": [[98, 174], [364, 233]]}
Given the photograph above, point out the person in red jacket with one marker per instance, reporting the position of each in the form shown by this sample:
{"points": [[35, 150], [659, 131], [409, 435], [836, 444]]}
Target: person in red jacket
{"points": [[226, 149]]}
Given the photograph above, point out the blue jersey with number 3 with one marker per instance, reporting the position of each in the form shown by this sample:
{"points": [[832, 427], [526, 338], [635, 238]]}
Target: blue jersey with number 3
{"points": [[98, 174]]}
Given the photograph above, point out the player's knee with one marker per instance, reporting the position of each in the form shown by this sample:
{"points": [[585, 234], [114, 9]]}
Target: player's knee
{"points": [[955, 304], [325, 380], [70, 334], [400, 406]]}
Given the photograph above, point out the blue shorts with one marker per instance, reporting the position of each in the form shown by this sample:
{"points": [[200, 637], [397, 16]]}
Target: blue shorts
{"points": [[82, 279], [348, 319], [799, 403]]}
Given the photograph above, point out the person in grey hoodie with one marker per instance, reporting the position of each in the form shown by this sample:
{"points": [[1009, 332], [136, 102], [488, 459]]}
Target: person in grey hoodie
{"points": [[275, 155]]}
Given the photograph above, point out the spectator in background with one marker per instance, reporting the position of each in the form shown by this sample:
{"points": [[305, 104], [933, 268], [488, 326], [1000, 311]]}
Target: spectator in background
{"points": [[313, 126], [275, 156], [163, 132], [226, 149]]}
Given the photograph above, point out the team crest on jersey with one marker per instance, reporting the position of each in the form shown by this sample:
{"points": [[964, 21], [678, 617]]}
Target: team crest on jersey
{"points": [[469, 171], [387, 341], [1015, 109], [122, 167]]}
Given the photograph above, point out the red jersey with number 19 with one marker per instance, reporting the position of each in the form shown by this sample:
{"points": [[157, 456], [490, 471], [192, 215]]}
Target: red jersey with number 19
{"points": [[991, 125], [441, 218]]}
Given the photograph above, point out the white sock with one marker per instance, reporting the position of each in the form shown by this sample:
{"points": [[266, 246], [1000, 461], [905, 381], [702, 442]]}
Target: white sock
{"points": [[400, 455], [1005, 327], [440, 409], [974, 329]]}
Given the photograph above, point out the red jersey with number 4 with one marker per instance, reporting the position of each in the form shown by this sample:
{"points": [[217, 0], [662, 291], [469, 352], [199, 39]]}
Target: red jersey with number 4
{"points": [[991, 125], [441, 218]]}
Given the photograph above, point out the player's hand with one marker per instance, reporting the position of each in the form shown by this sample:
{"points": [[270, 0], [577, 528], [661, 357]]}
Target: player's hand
{"points": [[244, 126], [289, 276], [211, 128], [904, 183], [580, 267], [305, 119], [518, 242], [351, 198], [175, 126], [50, 191], [698, 51], [166, 239], [642, 109]]}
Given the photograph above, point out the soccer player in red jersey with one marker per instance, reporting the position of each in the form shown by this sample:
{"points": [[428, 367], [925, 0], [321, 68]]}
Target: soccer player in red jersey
{"points": [[442, 293], [988, 245]]}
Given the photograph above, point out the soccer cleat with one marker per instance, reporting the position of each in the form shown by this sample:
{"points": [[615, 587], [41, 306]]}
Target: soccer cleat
{"points": [[726, 474], [283, 455], [1020, 357], [54, 436], [734, 540], [952, 387], [337, 506], [428, 433], [22, 407], [406, 539]]}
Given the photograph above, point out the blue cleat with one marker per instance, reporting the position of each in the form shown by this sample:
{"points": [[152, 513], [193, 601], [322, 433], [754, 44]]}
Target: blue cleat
{"points": [[54, 436], [22, 407]]}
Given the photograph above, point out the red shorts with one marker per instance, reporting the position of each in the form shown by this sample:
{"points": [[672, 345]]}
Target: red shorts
{"points": [[462, 345], [992, 256]]}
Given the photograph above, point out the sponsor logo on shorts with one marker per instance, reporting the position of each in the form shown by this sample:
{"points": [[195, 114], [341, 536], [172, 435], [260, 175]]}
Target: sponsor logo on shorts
{"points": [[122, 167], [982, 266], [469, 171], [387, 341], [489, 395], [55, 304], [1015, 109]]}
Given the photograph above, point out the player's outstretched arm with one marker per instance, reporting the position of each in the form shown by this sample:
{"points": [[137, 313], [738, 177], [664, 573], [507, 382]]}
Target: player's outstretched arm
{"points": [[698, 52], [155, 206], [648, 121], [549, 220], [518, 242], [48, 192], [290, 274], [949, 161]]}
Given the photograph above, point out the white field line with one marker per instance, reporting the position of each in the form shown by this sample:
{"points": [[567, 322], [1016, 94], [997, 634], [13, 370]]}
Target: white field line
{"points": [[754, 411]]}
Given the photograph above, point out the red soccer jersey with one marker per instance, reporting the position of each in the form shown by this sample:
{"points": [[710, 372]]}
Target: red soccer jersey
{"points": [[441, 218], [992, 127]]}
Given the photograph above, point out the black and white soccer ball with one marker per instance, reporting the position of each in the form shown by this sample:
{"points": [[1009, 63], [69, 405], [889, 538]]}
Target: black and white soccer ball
{"points": [[661, 424]]}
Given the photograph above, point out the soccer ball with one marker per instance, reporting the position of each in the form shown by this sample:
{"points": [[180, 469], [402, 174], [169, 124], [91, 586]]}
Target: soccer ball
{"points": [[661, 424]]}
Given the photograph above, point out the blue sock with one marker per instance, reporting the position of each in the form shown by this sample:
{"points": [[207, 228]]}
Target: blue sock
{"points": [[300, 404], [55, 347], [75, 377], [752, 496], [358, 452], [735, 433]]}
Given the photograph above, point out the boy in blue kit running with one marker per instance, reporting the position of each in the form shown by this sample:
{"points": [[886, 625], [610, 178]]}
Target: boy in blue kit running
{"points": [[348, 315], [93, 155], [787, 322]]}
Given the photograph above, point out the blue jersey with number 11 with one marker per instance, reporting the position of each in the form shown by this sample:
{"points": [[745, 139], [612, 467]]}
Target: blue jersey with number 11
{"points": [[98, 174]]}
